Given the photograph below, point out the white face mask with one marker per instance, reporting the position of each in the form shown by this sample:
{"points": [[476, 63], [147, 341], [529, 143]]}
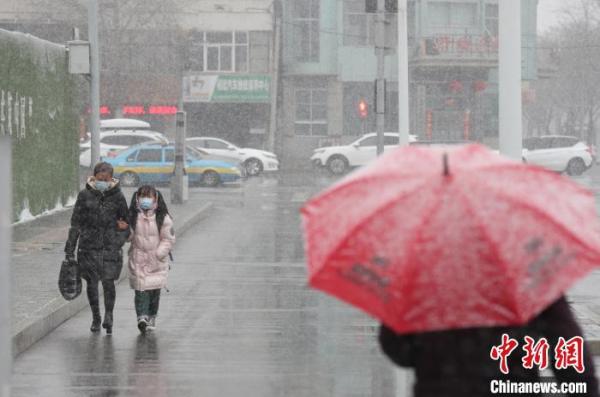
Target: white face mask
{"points": [[102, 186], [146, 203]]}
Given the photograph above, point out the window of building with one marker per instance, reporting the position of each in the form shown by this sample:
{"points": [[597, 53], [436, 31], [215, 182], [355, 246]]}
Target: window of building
{"points": [[218, 52], [311, 112], [359, 26], [448, 14], [491, 19], [306, 35]]}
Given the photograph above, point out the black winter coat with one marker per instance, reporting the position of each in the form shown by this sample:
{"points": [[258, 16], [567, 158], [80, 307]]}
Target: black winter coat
{"points": [[458, 363], [94, 227]]}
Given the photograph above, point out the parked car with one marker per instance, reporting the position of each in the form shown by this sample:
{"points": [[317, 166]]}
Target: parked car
{"points": [[558, 153], [255, 161], [155, 163], [339, 159], [112, 141]]}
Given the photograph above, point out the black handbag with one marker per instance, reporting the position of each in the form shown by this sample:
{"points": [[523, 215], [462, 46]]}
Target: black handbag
{"points": [[69, 280]]}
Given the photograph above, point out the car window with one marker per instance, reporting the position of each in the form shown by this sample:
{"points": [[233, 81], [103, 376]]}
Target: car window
{"points": [[149, 155], [116, 140], [197, 143], [191, 154], [543, 143], [169, 155], [529, 143], [213, 144], [132, 156], [391, 140], [370, 141], [136, 140], [563, 142]]}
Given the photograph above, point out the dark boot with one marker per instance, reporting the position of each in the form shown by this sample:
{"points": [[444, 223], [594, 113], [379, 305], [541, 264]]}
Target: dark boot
{"points": [[108, 322], [96, 321], [92, 294], [109, 303]]}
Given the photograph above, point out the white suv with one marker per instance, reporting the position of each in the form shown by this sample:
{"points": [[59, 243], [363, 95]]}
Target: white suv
{"points": [[558, 153], [339, 159], [112, 141]]}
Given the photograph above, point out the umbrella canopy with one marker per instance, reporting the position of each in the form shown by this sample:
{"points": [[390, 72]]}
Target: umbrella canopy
{"points": [[429, 239]]}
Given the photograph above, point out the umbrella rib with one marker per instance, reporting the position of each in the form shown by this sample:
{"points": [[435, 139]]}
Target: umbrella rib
{"points": [[495, 252]]}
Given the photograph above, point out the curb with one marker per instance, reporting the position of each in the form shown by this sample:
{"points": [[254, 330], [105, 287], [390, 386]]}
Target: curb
{"points": [[60, 310]]}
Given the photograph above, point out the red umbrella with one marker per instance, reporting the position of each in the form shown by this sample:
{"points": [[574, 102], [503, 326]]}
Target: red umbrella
{"points": [[430, 239]]}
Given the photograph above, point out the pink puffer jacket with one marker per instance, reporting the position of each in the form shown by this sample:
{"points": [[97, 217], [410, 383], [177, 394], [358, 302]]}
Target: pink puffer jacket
{"points": [[149, 253]]}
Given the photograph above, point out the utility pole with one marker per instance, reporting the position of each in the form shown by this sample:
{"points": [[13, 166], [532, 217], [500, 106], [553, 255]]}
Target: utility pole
{"points": [[94, 81], [380, 82], [275, 51], [403, 83], [5, 240], [510, 70], [179, 182]]}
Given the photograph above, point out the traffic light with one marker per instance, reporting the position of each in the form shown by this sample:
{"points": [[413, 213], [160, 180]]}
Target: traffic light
{"points": [[363, 109], [390, 6]]}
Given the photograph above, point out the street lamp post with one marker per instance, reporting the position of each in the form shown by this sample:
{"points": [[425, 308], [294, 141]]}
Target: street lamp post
{"points": [[94, 81], [403, 83], [510, 70]]}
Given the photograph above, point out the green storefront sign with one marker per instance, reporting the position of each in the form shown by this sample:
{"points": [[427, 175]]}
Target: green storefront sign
{"points": [[227, 88]]}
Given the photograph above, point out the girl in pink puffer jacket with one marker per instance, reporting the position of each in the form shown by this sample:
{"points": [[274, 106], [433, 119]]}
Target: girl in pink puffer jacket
{"points": [[151, 243]]}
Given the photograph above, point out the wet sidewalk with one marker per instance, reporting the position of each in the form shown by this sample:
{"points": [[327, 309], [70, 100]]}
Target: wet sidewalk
{"points": [[37, 252]]}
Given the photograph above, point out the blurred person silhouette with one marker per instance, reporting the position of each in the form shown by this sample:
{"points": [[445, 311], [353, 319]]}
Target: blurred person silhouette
{"points": [[457, 362]]}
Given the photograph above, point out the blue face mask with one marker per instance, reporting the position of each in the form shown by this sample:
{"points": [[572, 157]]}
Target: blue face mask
{"points": [[146, 203], [102, 186]]}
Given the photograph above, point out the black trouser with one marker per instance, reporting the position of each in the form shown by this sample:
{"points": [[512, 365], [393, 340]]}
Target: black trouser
{"points": [[146, 302], [110, 295]]}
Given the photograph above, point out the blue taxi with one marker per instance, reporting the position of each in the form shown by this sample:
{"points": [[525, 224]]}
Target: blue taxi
{"points": [[155, 164]]}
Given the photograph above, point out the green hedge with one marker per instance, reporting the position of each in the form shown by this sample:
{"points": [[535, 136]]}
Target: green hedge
{"points": [[43, 125]]}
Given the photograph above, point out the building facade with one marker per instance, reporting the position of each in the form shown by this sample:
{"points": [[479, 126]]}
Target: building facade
{"points": [[213, 58], [329, 67]]}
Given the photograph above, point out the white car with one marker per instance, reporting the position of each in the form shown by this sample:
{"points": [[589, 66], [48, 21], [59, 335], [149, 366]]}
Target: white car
{"points": [[255, 161], [558, 153], [111, 141], [339, 159]]}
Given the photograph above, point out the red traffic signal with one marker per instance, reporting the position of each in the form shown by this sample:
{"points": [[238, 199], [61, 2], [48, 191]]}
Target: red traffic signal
{"points": [[363, 109]]}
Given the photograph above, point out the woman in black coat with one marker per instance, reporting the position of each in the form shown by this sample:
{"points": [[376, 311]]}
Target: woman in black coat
{"points": [[99, 230], [458, 362]]}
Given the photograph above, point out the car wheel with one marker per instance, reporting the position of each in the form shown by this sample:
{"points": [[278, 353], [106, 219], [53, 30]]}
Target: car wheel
{"points": [[211, 179], [576, 167], [337, 164], [253, 167], [130, 179]]}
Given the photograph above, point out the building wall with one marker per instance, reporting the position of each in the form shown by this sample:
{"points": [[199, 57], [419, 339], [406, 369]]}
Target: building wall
{"points": [[38, 110], [466, 24]]}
